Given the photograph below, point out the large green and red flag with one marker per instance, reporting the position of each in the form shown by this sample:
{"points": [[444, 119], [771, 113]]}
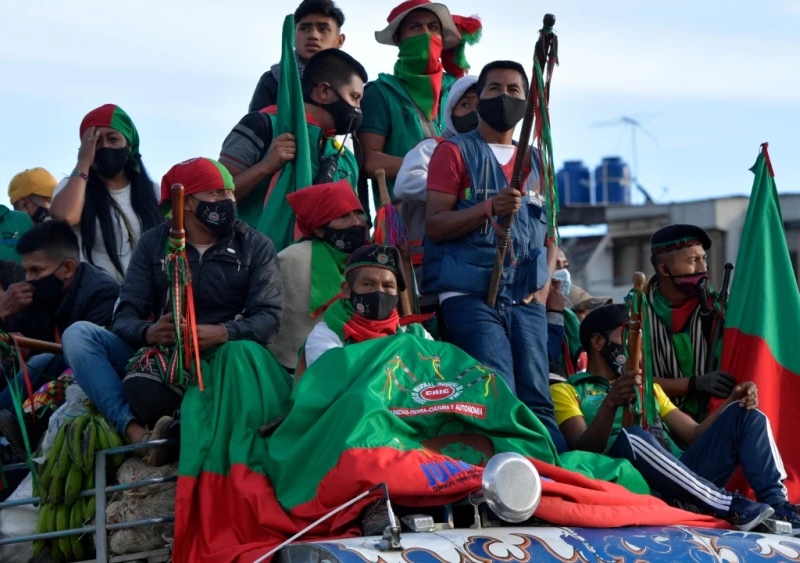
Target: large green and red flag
{"points": [[277, 221], [763, 320], [421, 416]]}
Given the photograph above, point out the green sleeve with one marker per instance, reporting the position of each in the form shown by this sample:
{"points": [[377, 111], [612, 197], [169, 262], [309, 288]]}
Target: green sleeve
{"points": [[376, 112]]}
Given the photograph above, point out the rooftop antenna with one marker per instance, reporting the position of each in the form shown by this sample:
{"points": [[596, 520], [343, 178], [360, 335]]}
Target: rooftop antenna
{"points": [[635, 126]]}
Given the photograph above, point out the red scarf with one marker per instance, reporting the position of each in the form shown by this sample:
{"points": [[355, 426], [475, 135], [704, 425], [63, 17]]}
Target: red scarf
{"points": [[361, 329]]}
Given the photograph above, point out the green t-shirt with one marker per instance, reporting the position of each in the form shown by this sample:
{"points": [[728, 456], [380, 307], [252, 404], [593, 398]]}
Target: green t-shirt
{"points": [[13, 224], [389, 111]]}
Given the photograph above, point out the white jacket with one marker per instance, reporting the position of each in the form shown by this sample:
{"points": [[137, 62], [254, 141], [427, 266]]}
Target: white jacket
{"points": [[412, 179]]}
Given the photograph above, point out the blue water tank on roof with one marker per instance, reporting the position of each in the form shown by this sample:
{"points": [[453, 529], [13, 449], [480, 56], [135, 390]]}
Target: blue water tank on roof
{"points": [[612, 182], [574, 184]]}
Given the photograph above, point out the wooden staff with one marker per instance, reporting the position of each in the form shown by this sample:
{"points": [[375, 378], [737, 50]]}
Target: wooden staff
{"points": [[176, 231], [404, 297], [34, 344], [634, 341], [177, 240], [541, 51]]}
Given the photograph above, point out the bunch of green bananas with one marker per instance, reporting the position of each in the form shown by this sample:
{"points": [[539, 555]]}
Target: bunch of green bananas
{"points": [[68, 470]]}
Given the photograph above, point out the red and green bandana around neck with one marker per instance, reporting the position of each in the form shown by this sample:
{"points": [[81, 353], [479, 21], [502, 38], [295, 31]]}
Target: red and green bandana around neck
{"points": [[420, 70], [348, 325]]}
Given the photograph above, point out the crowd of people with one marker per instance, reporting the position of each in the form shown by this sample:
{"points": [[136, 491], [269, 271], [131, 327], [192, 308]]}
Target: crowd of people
{"points": [[83, 265]]}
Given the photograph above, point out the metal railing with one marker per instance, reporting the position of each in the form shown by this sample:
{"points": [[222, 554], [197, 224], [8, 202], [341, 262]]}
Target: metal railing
{"points": [[100, 492]]}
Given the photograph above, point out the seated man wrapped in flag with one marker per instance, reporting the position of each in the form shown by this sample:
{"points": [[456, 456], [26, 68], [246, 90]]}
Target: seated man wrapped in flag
{"points": [[682, 320], [233, 306], [589, 409], [332, 221], [368, 307], [421, 416]]}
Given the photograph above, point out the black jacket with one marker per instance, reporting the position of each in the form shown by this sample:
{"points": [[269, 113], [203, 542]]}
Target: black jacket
{"points": [[91, 297], [236, 283], [266, 92]]}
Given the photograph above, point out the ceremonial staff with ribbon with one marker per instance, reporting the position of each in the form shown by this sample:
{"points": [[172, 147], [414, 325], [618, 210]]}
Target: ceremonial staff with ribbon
{"points": [[175, 363], [635, 302], [536, 115]]}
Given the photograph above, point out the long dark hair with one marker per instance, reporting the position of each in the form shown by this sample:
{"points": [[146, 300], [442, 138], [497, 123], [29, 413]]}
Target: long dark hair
{"points": [[98, 204]]}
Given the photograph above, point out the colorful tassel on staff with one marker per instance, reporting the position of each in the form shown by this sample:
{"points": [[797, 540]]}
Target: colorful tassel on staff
{"points": [[186, 351], [389, 227]]}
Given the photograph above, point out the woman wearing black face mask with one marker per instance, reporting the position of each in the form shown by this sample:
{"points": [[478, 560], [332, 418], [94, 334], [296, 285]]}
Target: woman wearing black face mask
{"points": [[461, 116], [109, 199]]}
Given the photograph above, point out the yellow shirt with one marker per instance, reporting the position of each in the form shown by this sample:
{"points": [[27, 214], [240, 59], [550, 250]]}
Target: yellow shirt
{"points": [[565, 402]]}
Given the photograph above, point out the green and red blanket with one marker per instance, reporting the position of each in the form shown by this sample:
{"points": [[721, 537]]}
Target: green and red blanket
{"points": [[419, 415]]}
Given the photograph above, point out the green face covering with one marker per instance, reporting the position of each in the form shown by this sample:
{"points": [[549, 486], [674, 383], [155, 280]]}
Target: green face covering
{"points": [[420, 70]]}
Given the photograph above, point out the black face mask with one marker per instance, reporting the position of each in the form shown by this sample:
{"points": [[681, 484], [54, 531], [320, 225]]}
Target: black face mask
{"points": [[345, 240], [47, 290], [346, 118], [501, 113], [110, 162], [465, 123], [614, 355], [218, 217], [40, 215], [375, 306]]}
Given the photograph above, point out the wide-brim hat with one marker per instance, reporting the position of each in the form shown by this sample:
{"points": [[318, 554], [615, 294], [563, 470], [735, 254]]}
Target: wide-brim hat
{"points": [[582, 301], [450, 34]]}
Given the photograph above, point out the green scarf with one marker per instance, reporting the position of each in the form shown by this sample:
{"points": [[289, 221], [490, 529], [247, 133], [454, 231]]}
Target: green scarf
{"points": [[420, 70], [327, 275], [674, 319], [571, 332]]}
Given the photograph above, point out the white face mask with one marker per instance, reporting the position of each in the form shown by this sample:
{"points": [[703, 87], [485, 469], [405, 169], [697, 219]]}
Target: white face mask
{"points": [[565, 279]]}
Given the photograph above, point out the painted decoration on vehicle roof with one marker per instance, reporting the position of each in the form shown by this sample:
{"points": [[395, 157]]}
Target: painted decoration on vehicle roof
{"points": [[583, 545]]}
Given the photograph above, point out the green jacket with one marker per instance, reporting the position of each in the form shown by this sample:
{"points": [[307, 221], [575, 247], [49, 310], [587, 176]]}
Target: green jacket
{"points": [[252, 207], [13, 224], [397, 108]]}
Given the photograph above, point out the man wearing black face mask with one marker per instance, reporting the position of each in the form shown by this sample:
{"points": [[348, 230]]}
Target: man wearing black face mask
{"points": [[236, 286], [332, 223], [333, 84], [681, 331], [589, 410], [30, 191], [468, 191], [58, 291], [368, 307]]}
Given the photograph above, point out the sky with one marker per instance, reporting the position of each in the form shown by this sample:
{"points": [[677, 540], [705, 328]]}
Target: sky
{"points": [[710, 80]]}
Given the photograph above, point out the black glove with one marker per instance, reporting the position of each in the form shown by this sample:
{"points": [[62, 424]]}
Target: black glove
{"points": [[715, 383]]}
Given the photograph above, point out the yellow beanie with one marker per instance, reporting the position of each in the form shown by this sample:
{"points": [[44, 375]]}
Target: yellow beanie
{"points": [[36, 181]]}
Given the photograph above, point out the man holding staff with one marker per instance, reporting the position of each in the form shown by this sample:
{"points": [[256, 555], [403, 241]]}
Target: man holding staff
{"points": [[237, 298], [468, 190], [682, 319], [589, 409]]}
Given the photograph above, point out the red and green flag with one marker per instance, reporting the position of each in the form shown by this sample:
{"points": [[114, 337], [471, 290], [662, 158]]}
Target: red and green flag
{"points": [[278, 219], [421, 416], [763, 320]]}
